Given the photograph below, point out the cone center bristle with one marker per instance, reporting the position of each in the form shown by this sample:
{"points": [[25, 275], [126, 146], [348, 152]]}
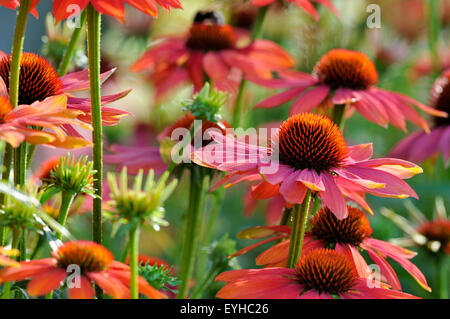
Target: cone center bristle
{"points": [[310, 141], [211, 37], [38, 80], [89, 256], [351, 230], [327, 271], [440, 98], [346, 69]]}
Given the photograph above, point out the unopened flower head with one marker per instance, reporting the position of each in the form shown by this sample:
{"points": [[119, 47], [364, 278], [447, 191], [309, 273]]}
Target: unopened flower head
{"points": [[143, 202], [18, 215], [71, 175]]}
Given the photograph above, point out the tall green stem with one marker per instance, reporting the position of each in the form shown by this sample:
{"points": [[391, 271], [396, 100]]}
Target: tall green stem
{"points": [[434, 32], [338, 116], [71, 46], [134, 250], [256, 34], [16, 55], [441, 277], [67, 198], [198, 186], [300, 217], [93, 35]]}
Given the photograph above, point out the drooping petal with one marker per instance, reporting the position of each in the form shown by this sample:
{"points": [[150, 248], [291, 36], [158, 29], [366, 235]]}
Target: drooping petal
{"points": [[85, 291], [332, 197], [46, 282]]}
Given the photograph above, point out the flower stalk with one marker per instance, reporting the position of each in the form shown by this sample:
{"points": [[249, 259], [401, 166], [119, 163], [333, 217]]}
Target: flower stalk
{"points": [[300, 218], [93, 39], [134, 264], [256, 34], [67, 198], [339, 116], [198, 186], [72, 45]]}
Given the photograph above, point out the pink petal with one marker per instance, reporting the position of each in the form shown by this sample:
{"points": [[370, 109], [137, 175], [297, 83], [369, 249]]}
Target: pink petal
{"points": [[332, 197], [309, 100]]}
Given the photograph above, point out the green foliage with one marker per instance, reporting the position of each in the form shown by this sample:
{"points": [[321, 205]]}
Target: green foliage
{"points": [[207, 104], [159, 277]]}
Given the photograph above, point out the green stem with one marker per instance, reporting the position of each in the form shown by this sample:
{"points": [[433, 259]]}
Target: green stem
{"points": [[71, 46], [441, 278], [198, 186], [434, 32], [256, 34], [16, 55], [94, 31], [300, 217], [286, 216], [7, 160], [67, 198], [134, 250], [209, 278], [15, 243], [338, 116]]}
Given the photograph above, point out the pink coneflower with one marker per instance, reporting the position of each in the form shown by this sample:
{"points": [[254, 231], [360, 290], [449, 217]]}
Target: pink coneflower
{"points": [[51, 114], [142, 156], [321, 274], [420, 146], [312, 155], [306, 5], [211, 50], [344, 77], [38, 80], [97, 266], [348, 236], [13, 4], [61, 8]]}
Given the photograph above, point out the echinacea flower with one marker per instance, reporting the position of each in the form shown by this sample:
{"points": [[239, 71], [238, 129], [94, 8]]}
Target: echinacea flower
{"points": [[205, 106], [38, 81], [306, 5], [43, 172], [61, 8], [51, 114], [309, 153], [419, 146], [431, 234], [345, 77], [97, 265], [211, 49], [348, 236], [321, 274], [13, 4]]}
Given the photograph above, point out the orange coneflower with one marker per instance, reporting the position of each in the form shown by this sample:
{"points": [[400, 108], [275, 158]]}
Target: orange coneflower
{"points": [[39, 80], [51, 114], [321, 274], [61, 9], [214, 50], [345, 77], [349, 236], [96, 263], [309, 153]]}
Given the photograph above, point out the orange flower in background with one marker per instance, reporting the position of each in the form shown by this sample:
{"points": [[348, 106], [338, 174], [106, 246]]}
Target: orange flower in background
{"points": [[306, 5], [45, 169], [51, 115], [210, 50], [62, 9], [13, 4], [346, 77], [318, 275], [97, 266]]}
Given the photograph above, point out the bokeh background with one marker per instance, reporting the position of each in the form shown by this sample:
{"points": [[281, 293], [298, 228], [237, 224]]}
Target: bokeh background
{"points": [[401, 53]]}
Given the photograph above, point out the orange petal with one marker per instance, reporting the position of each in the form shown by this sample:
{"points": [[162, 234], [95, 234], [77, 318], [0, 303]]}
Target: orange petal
{"points": [[46, 282]]}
